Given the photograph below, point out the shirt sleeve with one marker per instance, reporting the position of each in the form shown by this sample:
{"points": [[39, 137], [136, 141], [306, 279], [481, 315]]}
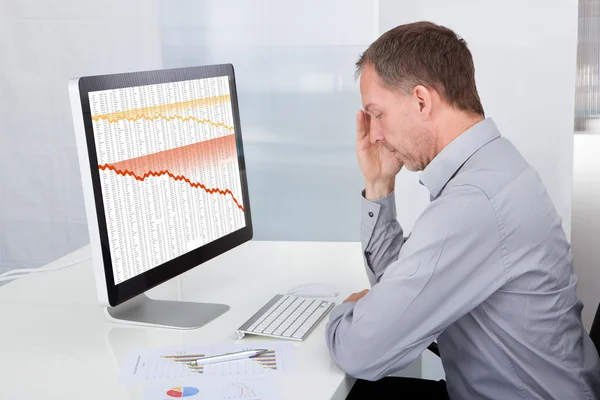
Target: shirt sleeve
{"points": [[451, 264], [381, 235]]}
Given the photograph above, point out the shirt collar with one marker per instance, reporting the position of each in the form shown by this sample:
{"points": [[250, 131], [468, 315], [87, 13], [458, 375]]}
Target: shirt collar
{"points": [[443, 167]]}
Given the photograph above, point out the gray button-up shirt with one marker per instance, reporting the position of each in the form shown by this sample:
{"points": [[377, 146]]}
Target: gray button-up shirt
{"points": [[486, 271]]}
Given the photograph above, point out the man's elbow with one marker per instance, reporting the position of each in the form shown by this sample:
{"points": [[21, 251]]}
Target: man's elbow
{"points": [[354, 366], [361, 356], [367, 369], [358, 362], [365, 374], [371, 371]]}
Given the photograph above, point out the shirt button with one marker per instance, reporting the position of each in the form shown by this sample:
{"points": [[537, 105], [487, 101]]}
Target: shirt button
{"points": [[371, 214], [368, 253]]}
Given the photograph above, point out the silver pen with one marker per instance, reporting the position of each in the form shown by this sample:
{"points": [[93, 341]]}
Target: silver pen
{"points": [[227, 357]]}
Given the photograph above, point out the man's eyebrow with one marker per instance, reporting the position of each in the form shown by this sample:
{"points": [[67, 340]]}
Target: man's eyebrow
{"points": [[368, 106]]}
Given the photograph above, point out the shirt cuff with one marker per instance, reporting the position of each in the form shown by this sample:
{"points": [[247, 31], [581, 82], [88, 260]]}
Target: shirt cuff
{"points": [[378, 212]]}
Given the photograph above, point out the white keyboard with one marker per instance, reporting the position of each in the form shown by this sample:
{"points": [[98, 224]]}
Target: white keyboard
{"points": [[286, 317]]}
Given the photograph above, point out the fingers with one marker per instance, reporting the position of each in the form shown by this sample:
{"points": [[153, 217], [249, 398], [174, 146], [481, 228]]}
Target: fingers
{"points": [[354, 297], [361, 125]]}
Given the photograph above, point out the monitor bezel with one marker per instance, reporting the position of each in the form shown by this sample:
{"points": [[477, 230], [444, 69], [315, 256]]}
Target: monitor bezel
{"points": [[119, 293]]}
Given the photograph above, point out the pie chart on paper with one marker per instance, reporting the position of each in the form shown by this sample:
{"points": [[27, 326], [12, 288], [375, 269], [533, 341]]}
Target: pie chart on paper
{"points": [[180, 391]]}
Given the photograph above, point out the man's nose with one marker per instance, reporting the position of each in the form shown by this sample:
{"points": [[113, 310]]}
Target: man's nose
{"points": [[375, 134]]}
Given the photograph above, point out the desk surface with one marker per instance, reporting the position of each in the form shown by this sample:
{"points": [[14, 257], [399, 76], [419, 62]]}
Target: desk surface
{"points": [[55, 319]]}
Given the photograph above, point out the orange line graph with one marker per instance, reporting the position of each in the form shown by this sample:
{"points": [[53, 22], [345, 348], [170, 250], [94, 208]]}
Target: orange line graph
{"points": [[165, 117], [177, 178], [169, 112]]}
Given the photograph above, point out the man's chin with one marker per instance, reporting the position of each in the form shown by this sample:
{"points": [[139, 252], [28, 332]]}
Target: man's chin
{"points": [[413, 166], [402, 162]]}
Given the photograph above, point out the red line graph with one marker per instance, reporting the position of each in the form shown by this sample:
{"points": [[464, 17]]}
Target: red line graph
{"points": [[177, 178]]}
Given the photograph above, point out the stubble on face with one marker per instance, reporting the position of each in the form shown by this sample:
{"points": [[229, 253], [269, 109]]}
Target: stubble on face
{"points": [[422, 151]]}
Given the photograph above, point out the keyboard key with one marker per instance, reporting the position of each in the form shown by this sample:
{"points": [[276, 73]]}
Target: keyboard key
{"points": [[266, 314], [309, 322]]}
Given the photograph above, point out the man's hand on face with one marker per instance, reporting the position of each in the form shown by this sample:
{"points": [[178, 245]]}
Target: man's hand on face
{"points": [[378, 165], [354, 297]]}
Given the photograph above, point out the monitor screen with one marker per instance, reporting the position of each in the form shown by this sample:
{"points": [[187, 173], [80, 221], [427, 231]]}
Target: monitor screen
{"points": [[168, 168], [163, 173]]}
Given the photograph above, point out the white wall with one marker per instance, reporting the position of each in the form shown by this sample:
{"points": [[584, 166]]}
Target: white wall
{"points": [[43, 44]]}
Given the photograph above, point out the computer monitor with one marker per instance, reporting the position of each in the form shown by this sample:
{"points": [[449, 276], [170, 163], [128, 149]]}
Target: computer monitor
{"points": [[164, 183]]}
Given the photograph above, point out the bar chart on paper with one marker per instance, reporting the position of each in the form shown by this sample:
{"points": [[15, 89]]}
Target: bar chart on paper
{"points": [[168, 167], [175, 364]]}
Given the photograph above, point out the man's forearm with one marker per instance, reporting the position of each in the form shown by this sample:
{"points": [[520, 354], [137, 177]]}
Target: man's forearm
{"points": [[381, 235], [382, 250]]}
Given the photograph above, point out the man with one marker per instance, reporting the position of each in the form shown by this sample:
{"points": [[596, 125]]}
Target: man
{"points": [[486, 270]]}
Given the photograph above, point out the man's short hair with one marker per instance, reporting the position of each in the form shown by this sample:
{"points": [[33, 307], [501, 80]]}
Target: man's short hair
{"points": [[423, 53]]}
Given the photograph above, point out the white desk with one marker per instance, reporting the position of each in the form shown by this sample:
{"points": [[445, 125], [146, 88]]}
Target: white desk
{"points": [[56, 342]]}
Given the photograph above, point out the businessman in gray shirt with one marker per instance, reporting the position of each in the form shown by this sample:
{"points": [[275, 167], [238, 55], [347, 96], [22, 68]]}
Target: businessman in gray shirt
{"points": [[486, 271]]}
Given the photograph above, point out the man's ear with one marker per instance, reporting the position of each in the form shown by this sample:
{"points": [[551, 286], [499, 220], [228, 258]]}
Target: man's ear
{"points": [[423, 97]]}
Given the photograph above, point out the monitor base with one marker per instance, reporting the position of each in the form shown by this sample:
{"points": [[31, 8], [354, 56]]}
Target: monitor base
{"points": [[142, 310]]}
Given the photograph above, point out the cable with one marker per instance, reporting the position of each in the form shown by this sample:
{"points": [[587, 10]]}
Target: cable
{"points": [[28, 271], [41, 269], [24, 272]]}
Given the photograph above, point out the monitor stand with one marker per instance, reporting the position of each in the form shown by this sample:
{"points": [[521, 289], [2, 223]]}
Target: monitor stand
{"points": [[142, 310]]}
